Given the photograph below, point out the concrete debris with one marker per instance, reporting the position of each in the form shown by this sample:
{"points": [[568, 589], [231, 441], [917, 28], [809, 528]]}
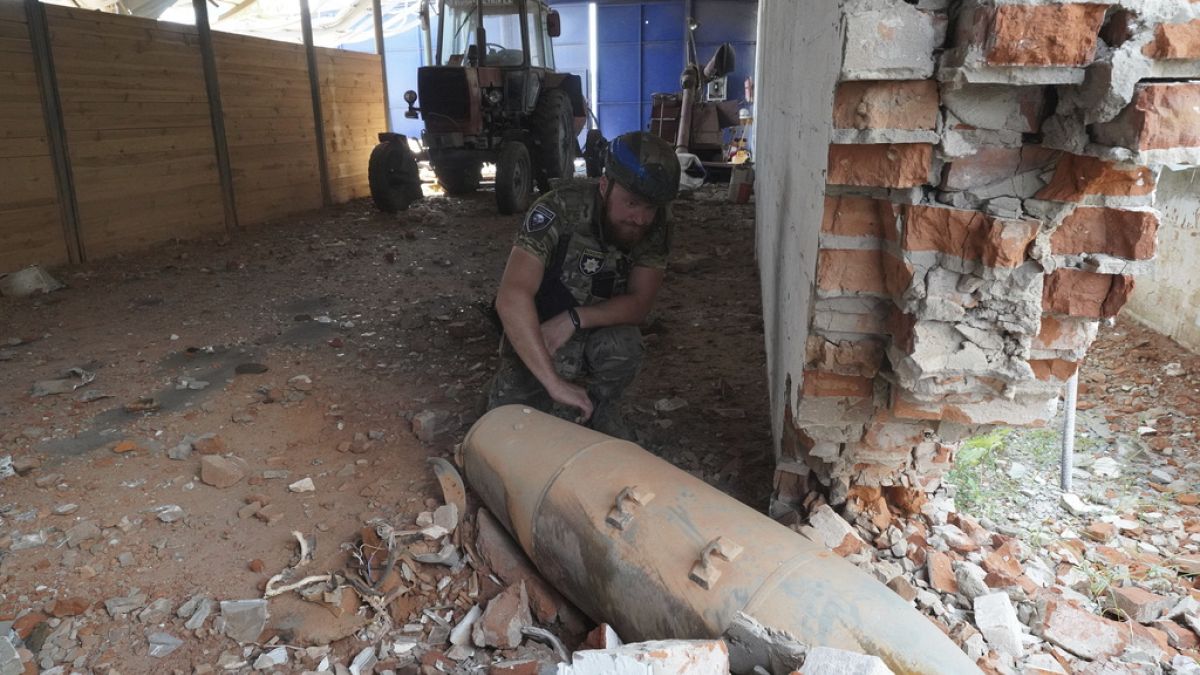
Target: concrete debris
{"points": [[429, 425], [121, 606], [364, 662], [29, 281], [753, 645], [162, 644], [10, 660], [997, 620], [168, 513], [830, 661], [272, 659], [303, 485], [663, 657], [461, 634], [244, 620], [446, 517]]}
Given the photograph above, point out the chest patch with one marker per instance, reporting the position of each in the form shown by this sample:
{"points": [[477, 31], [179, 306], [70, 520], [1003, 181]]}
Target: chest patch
{"points": [[540, 218], [591, 262]]}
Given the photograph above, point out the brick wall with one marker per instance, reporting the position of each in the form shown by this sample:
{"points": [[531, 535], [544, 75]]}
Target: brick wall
{"points": [[989, 198]]}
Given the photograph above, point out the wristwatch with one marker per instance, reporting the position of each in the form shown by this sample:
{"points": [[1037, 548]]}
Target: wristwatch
{"points": [[574, 317]]}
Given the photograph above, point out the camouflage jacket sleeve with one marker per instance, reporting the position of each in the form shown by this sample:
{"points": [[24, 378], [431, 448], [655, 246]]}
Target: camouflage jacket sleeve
{"points": [[541, 228], [654, 250]]}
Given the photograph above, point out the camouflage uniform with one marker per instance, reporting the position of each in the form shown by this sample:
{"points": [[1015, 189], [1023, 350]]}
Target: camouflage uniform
{"points": [[563, 229]]}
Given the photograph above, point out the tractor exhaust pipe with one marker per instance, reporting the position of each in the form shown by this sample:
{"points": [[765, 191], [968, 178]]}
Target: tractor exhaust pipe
{"points": [[657, 553]]}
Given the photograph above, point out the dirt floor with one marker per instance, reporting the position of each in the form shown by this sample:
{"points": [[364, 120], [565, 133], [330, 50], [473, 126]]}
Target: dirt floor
{"points": [[305, 349]]}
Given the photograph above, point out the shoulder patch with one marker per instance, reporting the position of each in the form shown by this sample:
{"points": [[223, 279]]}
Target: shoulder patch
{"points": [[539, 218]]}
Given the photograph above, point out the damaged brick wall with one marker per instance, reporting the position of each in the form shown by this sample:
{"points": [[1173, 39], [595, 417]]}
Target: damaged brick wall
{"points": [[989, 198]]}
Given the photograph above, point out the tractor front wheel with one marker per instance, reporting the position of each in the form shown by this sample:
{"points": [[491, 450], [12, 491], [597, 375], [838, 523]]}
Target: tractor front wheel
{"points": [[514, 178], [554, 136], [392, 175]]}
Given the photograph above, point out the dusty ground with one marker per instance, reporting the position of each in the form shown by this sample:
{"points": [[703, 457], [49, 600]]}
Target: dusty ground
{"points": [[361, 321]]}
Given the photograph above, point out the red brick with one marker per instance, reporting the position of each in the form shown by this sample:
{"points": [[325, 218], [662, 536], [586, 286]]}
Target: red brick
{"points": [[1152, 641], [893, 165], [1179, 637], [970, 235], [1083, 633], [886, 104], [1175, 41], [1053, 369], [822, 384], [897, 275], [859, 217], [1063, 333], [939, 572], [1045, 35], [1139, 604], [1163, 115], [1121, 234], [1085, 294], [1078, 176], [851, 271]]}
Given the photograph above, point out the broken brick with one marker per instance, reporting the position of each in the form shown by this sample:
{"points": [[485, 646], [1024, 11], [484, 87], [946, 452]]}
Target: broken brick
{"points": [[1175, 41], [849, 216], [1086, 294], [939, 572], [1044, 35], [1079, 176], [823, 384], [1141, 605], [501, 623], [1163, 115], [970, 235], [851, 271], [1082, 633], [886, 104], [1119, 233], [890, 165]]}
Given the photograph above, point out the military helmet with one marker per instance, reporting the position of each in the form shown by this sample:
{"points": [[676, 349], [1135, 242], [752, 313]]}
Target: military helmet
{"points": [[645, 165]]}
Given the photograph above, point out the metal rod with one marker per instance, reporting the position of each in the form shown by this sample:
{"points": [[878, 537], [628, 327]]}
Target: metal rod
{"points": [[216, 113], [314, 82], [377, 8], [1068, 448], [56, 131]]}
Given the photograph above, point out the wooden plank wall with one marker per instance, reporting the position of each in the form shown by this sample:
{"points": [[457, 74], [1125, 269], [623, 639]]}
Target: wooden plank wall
{"points": [[30, 223], [139, 133], [352, 102], [138, 129], [269, 127]]}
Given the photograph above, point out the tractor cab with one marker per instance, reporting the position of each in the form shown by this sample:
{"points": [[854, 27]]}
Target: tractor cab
{"points": [[515, 33]]}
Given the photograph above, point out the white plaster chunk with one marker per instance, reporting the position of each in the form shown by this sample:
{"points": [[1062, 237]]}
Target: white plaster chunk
{"points": [[990, 106], [1010, 75], [830, 661], [876, 136], [997, 620], [896, 43]]}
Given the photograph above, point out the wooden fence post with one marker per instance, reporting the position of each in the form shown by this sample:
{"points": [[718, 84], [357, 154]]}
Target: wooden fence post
{"points": [[216, 113], [56, 133], [314, 81]]}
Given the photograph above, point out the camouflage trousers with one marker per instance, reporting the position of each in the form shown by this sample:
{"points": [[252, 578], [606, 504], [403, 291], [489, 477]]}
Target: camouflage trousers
{"points": [[609, 358]]}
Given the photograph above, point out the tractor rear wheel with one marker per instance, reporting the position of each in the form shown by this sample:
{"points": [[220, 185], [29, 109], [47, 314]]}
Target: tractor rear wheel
{"points": [[554, 138], [392, 175], [514, 178], [459, 180]]}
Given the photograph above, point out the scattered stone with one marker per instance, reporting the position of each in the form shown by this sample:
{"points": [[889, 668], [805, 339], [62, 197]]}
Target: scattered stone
{"points": [[25, 464], [303, 485], [971, 580], [10, 660], [181, 451], [1075, 505], [269, 514], [1106, 467], [209, 444], [1100, 531], [501, 623], [168, 513], [694, 657], [203, 609], [274, 658], [117, 607], [834, 532], [666, 405], [126, 559], [903, 588], [364, 662], [221, 472], [429, 424], [244, 619], [65, 509], [939, 574], [162, 644], [81, 532], [73, 606], [461, 633], [250, 368], [446, 516], [156, 611]]}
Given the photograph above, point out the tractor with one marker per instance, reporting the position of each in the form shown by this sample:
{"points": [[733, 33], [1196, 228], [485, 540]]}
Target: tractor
{"points": [[492, 96]]}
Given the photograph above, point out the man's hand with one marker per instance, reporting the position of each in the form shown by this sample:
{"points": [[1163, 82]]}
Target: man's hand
{"points": [[571, 395], [556, 331]]}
